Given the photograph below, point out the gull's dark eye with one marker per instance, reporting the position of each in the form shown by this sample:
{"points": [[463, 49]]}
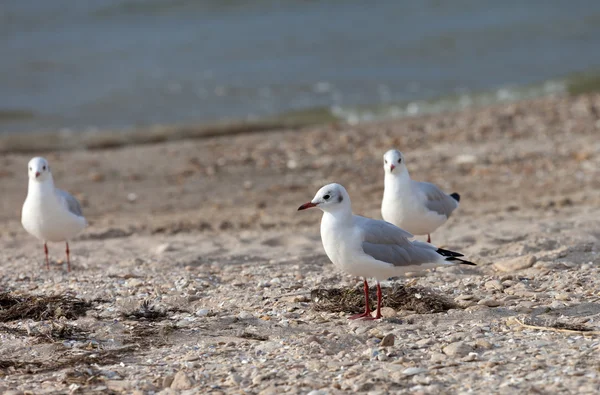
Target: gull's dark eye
{"points": [[326, 197], [399, 160], [44, 168], [30, 168], [385, 161]]}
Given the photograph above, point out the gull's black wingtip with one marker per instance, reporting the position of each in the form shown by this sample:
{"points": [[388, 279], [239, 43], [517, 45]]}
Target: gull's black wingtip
{"points": [[452, 256], [455, 196]]}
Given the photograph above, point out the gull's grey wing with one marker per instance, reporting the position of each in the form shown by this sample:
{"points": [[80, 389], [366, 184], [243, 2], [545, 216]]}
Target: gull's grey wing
{"points": [[436, 200], [411, 254], [381, 232], [69, 202]]}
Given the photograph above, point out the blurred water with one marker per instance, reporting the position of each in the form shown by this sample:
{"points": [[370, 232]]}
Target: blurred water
{"points": [[119, 63]]}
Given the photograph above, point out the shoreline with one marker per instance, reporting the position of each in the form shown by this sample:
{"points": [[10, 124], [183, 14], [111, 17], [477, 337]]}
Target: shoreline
{"points": [[203, 236]]}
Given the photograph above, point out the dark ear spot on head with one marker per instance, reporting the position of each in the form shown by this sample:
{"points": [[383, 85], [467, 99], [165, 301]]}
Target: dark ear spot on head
{"points": [[340, 199]]}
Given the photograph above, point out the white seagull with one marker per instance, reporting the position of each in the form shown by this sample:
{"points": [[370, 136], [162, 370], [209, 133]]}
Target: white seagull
{"points": [[418, 207], [367, 247], [49, 213]]}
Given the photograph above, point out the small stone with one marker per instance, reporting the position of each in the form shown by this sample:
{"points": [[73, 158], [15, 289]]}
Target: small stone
{"points": [[132, 197], [457, 349], [484, 344], [167, 381], [134, 282], [519, 263], [562, 296], [182, 381], [162, 248], [412, 371], [437, 357], [388, 340], [235, 379], [464, 297], [202, 312], [470, 358], [494, 285], [489, 302], [388, 312], [424, 342]]}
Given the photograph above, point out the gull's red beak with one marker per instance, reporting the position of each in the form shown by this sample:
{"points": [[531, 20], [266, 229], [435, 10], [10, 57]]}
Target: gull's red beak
{"points": [[37, 174], [392, 167], [307, 205]]}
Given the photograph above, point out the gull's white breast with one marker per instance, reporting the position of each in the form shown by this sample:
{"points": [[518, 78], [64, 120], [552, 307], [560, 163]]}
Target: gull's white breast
{"points": [[45, 217], [404, 206]]}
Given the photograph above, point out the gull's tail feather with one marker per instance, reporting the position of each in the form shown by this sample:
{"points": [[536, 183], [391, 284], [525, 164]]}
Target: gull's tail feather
{"points": [[455, 196], [452, 256]]}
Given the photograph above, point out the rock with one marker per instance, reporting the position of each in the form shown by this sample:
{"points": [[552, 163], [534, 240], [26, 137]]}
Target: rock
{"points": [[562, 296], [457, 349], [494, 285], [182, 381], [464, 297], [413, 371], [162, 248], [119, 385], [424, 342], [235, 379], [202, 312], [167, 381], [490, 302], [437, 357], [519, 263], [387, 312], [388, 340], [484, 344]]}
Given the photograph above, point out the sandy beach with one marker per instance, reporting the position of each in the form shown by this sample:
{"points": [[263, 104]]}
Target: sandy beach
{"points": [[198, 275]]}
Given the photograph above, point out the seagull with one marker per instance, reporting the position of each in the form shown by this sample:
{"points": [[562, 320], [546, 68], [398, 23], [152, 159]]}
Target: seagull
{"points": [[49, 213], [366, 247], [418, 207]]}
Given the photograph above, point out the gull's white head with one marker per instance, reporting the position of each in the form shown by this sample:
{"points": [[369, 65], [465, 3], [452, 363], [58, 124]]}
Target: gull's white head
{"points": [[393, 162], [38, 169], [331, 197]]}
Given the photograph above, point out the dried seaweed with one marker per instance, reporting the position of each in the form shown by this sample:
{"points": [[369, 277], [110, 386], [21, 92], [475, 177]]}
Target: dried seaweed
{"points": [[40, 307], [146, 311], [51, 333], [254, 336], [398, 296], [557, 326]]}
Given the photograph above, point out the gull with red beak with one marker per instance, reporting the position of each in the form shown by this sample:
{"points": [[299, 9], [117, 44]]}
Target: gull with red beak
{"points": [[367, 247], [49, 213], [418, 207]]}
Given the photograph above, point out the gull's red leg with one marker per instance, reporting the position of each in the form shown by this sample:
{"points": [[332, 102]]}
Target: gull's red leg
{"points": [[428, 238], [46, 252], [379, 297], [68, 257], [367, 313]]}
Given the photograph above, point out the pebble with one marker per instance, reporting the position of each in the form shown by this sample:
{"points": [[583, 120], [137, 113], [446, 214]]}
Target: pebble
{"points": [[562, 296], [437, 357], [514, 264], [413, 371], [490, 302], [202, 312], [162, 248], [494, 285], [457, 349], [182, 381], [388, 340], [484, 344]]}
